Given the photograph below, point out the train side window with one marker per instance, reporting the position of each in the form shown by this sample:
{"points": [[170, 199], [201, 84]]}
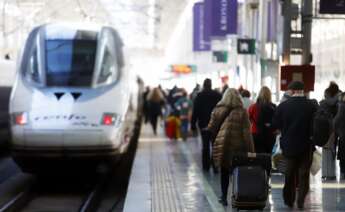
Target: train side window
{"points": [[33, 66], [108, 72]]}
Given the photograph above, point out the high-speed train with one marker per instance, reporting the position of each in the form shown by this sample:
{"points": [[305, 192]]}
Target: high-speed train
{"points": [[72, 96]]}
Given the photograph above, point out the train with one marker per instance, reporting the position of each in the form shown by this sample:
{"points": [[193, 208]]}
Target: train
{"points": [[73, 96]]}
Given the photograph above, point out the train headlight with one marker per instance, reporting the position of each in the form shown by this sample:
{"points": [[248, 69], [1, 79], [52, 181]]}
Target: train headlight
{"points": [[109, 119], [20, 118]]}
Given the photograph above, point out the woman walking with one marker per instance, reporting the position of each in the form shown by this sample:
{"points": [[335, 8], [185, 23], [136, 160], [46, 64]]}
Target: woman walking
{"points": [[230, 123], [261, 115], [155, 102]]}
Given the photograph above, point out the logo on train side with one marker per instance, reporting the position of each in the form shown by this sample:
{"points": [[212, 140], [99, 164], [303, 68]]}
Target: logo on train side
{"points": [[72, 117], [76, 120]]}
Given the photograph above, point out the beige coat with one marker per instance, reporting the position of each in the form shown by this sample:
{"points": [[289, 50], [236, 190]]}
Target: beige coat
{"points": [[233, 134]]}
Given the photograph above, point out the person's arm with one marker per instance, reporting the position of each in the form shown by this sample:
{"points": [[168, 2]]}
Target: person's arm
{"points": [[274, 109], [210, 132], [195, 113], [213, 124], [247, 136], [177, 104], [277, 120], [251, 113]]}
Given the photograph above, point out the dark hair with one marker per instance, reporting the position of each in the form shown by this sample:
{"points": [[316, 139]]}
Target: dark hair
{"points": [[296, 85], [245, 93], [184, 92], [207, 84], [240, 89], [332, 90]]}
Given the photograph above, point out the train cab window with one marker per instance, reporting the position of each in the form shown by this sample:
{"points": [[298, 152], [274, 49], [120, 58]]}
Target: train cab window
{"points": [[70, 62], [108, 72], [33, 66]]}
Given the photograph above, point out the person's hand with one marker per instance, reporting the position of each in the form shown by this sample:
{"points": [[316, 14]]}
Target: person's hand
{"points": [[194, 133], [206, 133]]}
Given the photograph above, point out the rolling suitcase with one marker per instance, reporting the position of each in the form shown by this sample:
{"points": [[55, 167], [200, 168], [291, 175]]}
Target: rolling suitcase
{"points": [[328, 164], [250, 182], [170, 127]]}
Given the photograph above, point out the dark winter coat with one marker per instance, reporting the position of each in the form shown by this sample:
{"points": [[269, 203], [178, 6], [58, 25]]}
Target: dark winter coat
{"points": [[294, 119], [330, 105], [203, 105], [339, 119], [339, 126]]}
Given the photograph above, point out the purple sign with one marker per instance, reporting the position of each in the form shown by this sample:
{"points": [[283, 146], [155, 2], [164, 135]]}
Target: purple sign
{"points": [[272, 20], [222, 15], [201, 39]]}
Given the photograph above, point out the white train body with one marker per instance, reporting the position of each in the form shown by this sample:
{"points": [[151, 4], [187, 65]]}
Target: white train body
{"points": [[71, 96]]}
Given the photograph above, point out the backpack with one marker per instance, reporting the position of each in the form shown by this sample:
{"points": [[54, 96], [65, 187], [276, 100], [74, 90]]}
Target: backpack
{"points": [[339, 120], [322, 124], [264, 124]]}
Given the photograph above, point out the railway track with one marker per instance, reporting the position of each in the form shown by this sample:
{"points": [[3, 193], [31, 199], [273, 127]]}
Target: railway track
{"points": [[104, 192], [81, 198]]}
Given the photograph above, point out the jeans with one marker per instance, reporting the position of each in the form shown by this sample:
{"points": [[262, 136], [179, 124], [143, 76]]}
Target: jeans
{"points": [[184, 128]]}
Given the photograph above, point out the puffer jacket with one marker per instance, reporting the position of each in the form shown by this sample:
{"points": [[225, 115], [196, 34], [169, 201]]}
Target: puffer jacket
{"points": [[232, 128]]}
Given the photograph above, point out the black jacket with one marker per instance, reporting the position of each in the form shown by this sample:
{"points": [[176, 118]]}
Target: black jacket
{"points": [[203, 105], [294, 119], [339, 119]]}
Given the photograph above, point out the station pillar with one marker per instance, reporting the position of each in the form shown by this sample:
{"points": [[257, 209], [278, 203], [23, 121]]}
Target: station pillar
{"points": [[307, 18]]}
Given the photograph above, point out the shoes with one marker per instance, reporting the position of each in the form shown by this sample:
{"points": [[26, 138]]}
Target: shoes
{"points": [[215, 171], [206, 168], [342, 176], [300, 204], [289, 204], [329, 178], [223, 201]]}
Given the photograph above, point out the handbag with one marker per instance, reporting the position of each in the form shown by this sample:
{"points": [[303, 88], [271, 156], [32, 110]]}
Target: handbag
{"points": [[278, 160], [316, 163]]}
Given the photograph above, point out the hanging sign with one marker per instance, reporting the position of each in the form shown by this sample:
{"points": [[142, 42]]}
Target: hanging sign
{"points": [[220, 56], [332, 6], [222, 15], [303, 73], [272, 26], [201, 38], [183, 69], [246, 46]]}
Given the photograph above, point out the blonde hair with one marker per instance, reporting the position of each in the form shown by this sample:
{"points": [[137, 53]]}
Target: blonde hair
{"points": [[231, 98], [265, 95]]}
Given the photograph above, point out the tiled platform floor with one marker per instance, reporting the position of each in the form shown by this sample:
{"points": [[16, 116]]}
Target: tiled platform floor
{"points": [[167, 176]]}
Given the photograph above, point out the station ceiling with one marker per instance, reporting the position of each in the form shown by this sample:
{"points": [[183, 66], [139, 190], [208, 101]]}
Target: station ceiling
{"points": [[141, 23]]}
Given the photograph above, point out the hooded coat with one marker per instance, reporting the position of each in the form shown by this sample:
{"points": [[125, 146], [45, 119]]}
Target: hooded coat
{"points": [[232, 129]]}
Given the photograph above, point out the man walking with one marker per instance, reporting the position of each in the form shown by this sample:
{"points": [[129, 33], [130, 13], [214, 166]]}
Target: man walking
{"points": [[294, 119], [203, 105]]}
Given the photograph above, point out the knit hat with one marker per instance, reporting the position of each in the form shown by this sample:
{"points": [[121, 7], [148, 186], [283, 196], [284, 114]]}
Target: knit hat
{"points": [[296, 85]]}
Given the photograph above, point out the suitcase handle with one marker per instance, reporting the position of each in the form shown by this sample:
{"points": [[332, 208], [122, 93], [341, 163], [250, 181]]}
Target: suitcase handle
{"points": [[251, 155], [252, 159]]}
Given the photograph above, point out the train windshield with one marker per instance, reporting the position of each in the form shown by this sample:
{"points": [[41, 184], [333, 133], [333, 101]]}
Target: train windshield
{"points": [[70, 62]]}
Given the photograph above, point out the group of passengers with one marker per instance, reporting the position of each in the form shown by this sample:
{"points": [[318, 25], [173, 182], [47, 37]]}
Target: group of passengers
{"points": [[230, 122]]}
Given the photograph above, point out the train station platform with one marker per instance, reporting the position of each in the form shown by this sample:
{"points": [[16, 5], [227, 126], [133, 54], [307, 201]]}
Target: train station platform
{"points": [[167, 176]]}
